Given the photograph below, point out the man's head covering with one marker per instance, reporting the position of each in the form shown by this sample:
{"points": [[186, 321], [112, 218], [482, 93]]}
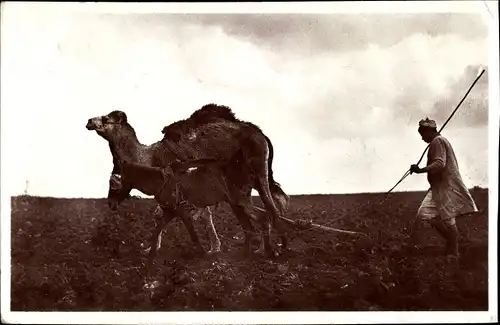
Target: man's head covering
{"points": [[427, 123]]}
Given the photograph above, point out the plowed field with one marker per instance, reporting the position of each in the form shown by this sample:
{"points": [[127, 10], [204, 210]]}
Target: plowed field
{"points": [[74, 255]]}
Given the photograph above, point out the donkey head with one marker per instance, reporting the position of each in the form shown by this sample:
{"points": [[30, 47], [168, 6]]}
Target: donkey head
{"points": [[107, 125]]}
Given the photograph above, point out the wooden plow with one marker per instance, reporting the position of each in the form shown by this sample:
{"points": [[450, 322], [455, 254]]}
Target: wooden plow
{"points": [[302, 224]]}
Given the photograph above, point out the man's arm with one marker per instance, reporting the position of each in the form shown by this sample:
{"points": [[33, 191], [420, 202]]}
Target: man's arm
{"points": [[437, 159]]}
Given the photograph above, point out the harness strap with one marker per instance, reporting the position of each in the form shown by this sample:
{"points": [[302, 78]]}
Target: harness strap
{"points": [[179, 200], [115, 182]]}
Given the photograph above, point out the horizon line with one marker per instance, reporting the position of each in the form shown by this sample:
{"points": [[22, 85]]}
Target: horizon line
{"points": [[257, 196]]}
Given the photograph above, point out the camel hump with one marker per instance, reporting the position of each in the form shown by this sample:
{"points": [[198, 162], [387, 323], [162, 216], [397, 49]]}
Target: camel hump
{"points": [[175, 130], [212, 111], [208, 113]]}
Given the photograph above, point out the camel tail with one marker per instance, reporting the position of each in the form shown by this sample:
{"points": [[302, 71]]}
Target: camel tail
{"points": [[279, 196]]}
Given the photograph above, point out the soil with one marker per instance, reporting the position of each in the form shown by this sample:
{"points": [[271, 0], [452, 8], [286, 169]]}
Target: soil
{"points": [[75, 255]]}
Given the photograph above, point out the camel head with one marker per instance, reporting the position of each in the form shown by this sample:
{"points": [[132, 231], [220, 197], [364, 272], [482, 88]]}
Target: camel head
{"points": [[107, 125]]}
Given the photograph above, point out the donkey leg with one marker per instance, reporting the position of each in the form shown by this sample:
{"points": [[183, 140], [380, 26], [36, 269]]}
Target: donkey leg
{"points": [[154, 243], [212, 233], [155, 239], [188, 223], [158, 218]]}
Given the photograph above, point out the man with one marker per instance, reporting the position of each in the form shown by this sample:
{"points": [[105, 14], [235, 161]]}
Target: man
{"points": [[448, 196]]}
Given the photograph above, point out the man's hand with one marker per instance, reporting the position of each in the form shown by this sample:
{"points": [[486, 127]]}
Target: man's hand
{"points": [[415, 169]]}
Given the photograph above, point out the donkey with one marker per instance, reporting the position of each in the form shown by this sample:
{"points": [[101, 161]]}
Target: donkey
{"points": [[182, 187]]}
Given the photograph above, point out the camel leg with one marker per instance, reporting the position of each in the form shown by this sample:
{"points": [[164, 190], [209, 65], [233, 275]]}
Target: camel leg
{"points": [[188, 223], [283, 238], [261, 216], [257, 157], [118, 193], [266, 238], [242, 213], [284, 245], [279, 226], [112, 218], [115, 197], [265, 243], [267, 199], [212, 233]]}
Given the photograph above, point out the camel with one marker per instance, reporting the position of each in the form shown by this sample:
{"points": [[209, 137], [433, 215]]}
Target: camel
{"points": [[210, 132]]}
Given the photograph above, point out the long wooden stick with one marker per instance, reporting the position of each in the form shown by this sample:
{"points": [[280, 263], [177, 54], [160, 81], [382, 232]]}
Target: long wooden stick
{"points": [[407, 173], [453, 113]]}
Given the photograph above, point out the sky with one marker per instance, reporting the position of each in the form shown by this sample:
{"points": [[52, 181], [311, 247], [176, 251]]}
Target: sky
{"points": [[339, 95]]}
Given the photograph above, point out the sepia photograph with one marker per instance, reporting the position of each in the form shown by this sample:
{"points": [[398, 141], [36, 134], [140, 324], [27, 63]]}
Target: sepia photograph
{"points": [[278, 163]]}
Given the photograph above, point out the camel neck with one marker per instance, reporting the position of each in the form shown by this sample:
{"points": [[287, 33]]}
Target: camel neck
{"points": [[126, 146]]}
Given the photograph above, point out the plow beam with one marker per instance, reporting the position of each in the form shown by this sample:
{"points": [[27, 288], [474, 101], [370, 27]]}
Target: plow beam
{"points": [[300, 224]]}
